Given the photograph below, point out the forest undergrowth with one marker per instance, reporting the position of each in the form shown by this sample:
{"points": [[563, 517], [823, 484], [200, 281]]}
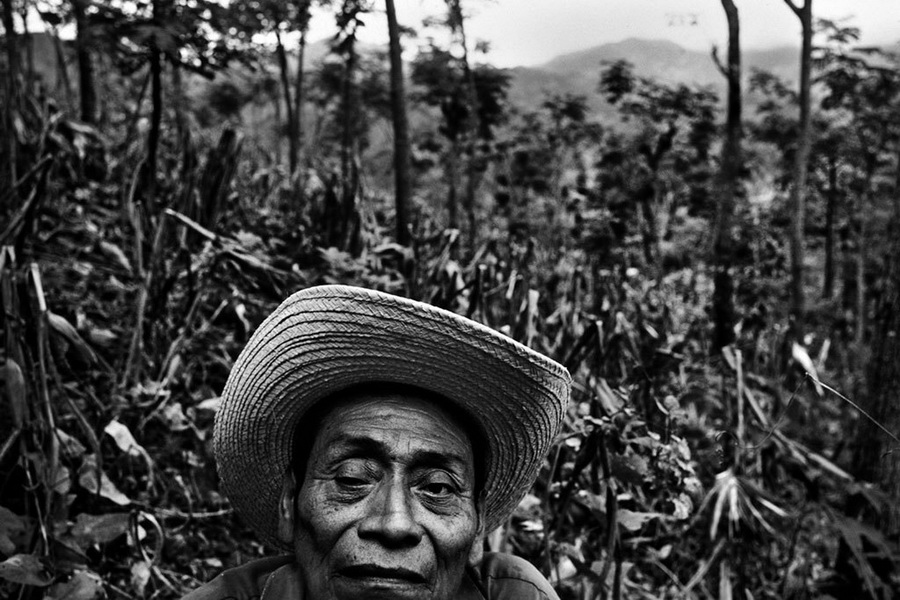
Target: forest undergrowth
{"points": [[679, 472]]}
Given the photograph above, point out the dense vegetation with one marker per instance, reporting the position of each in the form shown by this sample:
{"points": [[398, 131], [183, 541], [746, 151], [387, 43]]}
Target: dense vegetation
{"points": [[722, 282]]}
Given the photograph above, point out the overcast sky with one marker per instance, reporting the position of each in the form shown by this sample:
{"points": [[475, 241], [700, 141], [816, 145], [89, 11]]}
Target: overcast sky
{"points": [[530, 32]]}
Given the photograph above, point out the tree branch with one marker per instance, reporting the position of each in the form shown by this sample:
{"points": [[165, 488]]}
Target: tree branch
{"points": [[722, 69], [794, 7]]}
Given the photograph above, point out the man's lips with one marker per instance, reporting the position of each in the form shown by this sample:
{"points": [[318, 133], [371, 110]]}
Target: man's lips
{"points": [[385, 573]]}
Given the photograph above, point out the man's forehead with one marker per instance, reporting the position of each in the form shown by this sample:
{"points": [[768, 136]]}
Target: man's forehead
{"points": [[384, 417]]}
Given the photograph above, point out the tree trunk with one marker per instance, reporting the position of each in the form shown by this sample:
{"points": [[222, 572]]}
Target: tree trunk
{"points": [[723, 297], [189, 159], [877, 457], [801, 160], [452, 184], [861, 256], [188, 177], [349, 148], [278, 125], [28, 47], [457, 21], [155, 124], [862, 247], [348, 106], [297, 133], [12, 88], [288, 102], [86, 86], [830, 210], [401, 128], [62, 72]]}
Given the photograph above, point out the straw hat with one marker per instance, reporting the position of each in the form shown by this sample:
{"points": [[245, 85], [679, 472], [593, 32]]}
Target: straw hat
{"points": [[325, 339]]}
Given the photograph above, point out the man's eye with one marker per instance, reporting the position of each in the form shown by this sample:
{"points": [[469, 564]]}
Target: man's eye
{"points": [[354, 476], [349, 481], [439, 486], [438, 489]]}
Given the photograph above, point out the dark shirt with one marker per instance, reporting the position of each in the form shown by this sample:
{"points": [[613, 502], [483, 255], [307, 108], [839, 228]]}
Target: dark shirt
{"points": [[497, 577]]}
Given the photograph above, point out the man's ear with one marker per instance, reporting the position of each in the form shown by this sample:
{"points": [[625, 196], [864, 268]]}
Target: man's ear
{"points": [[286, 514]]}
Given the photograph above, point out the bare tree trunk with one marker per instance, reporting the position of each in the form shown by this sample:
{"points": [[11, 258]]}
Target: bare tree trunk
{"points": [[862, 249], [348, 106], [155, 124], [861, 256], [801, 161], [29, 48], [86, 85], [278, 126], [62, 72], [452, 184], [876, 456], [401, 129], [349, 147], [723, 297], [189, 160], [12, 87], [188, 176], [299, 91], [457, 21], [289, 104], [830, 210]]}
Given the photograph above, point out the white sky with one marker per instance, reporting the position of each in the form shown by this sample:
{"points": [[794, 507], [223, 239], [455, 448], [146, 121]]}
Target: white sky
{"points": [[530, 32]]}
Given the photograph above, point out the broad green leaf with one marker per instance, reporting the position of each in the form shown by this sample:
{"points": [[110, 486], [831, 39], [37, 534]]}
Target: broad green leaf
{"points": [[633, 521], [26, 569], [119, 432], [83, 585], [60, 480], [96, 481], [11, 526], [99, 529], [70, 446], [631, 468]]}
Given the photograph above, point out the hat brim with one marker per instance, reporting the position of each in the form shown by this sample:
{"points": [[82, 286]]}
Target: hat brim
{"points": [[325, 339]]}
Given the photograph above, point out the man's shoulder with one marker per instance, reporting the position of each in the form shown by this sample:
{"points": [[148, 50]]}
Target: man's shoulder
{"points": [[245, 582], [505, 576]]}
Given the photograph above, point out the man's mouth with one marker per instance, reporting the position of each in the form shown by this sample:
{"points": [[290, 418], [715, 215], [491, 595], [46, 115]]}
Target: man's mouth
{"points": [[372, 572]]}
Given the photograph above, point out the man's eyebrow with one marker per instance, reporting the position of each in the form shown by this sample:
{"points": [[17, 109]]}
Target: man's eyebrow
{"points": [[356, 444], [439, 459]]}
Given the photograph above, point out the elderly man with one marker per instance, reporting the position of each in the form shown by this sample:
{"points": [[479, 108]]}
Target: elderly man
{"points": [[377, 439]]}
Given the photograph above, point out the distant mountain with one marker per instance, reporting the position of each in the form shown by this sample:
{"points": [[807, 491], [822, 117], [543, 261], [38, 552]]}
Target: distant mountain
{"points": [[579, 72]]}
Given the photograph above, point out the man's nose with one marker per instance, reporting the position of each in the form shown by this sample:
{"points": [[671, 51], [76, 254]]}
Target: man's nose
{"points": [[391, 520]]}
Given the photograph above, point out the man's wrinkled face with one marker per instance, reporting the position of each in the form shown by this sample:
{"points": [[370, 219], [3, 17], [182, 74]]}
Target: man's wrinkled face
{"points": [[387, 507]]}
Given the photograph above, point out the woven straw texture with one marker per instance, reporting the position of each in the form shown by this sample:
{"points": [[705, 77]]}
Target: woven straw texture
{"points": [[328, 338]]}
